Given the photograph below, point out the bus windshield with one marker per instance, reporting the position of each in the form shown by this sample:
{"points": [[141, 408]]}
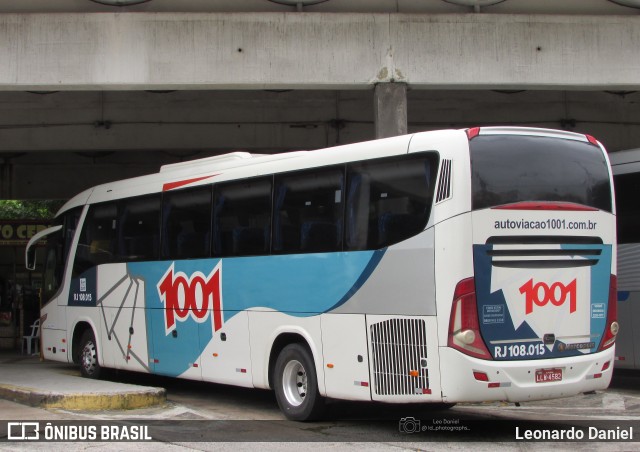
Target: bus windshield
{"points": [[515, 168]]}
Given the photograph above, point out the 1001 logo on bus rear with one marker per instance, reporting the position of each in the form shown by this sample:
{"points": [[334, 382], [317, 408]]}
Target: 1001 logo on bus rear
{"points": [[540, 294]]}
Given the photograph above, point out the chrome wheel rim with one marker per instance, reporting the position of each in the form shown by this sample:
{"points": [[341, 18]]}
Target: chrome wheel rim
{"points": [[294, 383], [88, 357]]}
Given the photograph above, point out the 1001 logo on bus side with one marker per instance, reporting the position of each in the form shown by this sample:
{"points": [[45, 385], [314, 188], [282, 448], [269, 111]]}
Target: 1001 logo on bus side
{"points": [[196, 296], [539, 294]]}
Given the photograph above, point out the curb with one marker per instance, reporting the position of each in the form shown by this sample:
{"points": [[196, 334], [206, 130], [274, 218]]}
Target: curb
{"points": [[85, 402]]}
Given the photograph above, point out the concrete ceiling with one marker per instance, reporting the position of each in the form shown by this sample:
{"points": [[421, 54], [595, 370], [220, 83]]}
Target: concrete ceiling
{"points": [[596, 7], [56, 143]]}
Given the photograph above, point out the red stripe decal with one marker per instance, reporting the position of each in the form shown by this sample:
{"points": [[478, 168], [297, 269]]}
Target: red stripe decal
{"points": [[182, 183]]}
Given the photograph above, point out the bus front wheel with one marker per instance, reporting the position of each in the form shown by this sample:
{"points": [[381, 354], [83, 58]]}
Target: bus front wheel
{"points": [[296, 384], [89, 365]]}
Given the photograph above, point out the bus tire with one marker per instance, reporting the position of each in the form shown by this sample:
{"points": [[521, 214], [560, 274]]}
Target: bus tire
{"points": [[296, 384], [88, 356]]}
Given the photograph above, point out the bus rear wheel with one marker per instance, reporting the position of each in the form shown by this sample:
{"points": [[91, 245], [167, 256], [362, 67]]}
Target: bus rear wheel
{"points": [[89, 365], [296, 384]]}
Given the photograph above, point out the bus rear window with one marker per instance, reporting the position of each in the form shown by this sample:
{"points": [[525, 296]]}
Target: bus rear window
{"points": [[512, 168]]}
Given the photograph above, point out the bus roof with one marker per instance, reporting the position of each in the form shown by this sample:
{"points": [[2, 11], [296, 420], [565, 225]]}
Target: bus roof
{"points": [[623, 157], [237, 165]]}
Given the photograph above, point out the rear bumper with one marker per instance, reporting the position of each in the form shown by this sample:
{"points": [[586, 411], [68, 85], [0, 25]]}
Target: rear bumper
{"points": [[514, 381]]}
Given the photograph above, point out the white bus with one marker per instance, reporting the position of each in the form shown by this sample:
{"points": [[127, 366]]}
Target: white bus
{"points": [[626, 178], [439, 267]]}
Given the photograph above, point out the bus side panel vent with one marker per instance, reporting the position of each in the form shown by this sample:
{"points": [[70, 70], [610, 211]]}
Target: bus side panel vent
{"points": [[544, 251], [399, 355], [444, 186]]}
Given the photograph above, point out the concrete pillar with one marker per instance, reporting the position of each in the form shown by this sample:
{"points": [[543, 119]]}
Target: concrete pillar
{"points": [[5, 178], [390, 109]]}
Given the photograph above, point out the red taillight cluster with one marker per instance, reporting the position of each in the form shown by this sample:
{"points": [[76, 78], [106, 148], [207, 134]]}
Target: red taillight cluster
{"points": [[612, 327], [464, 328], [592, 140], [473, 132]]}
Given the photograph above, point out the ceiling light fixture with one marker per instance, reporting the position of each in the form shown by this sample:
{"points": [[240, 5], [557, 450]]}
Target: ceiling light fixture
{"points": [[119, 2], [298, 3], [629, 3], [475, 4]]}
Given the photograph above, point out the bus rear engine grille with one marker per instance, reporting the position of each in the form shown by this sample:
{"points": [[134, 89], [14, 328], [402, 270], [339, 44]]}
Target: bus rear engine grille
{"points": [[399, 355]]}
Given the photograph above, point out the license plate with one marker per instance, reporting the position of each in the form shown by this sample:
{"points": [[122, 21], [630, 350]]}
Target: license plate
{"points": [[548, 375]]}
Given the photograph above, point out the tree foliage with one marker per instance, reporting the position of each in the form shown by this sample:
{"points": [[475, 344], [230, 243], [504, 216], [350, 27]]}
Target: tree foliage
{"points": [[29, 210]]}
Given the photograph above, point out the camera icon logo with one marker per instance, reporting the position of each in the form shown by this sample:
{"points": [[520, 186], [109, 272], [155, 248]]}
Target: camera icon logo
{"points": [[409, 425]]}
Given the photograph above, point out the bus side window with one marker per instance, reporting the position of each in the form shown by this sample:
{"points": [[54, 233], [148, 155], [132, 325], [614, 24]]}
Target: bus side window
{"points": [[139, 231], [97, 243], [388, 200], [242, 217], [308, 211], [186, 223]]}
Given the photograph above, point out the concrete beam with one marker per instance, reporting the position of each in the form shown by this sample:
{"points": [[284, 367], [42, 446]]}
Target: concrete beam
{"points": [[115, 51]]}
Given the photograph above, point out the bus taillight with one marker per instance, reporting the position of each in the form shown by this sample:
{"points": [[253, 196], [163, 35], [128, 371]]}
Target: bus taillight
{"points": [[612, 327], [464, 328], [592, 140], [473, 132]]}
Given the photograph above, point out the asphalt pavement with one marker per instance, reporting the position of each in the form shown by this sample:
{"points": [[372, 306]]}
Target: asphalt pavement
{"points": [[205, 416]]}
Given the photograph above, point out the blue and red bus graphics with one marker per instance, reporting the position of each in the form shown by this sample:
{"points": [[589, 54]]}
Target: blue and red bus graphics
{"points": [[530, 308], [297, 285]]}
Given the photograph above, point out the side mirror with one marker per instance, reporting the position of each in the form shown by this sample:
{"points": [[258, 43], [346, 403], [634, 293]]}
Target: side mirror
{"points": [[30, 252], [30, 258]]}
